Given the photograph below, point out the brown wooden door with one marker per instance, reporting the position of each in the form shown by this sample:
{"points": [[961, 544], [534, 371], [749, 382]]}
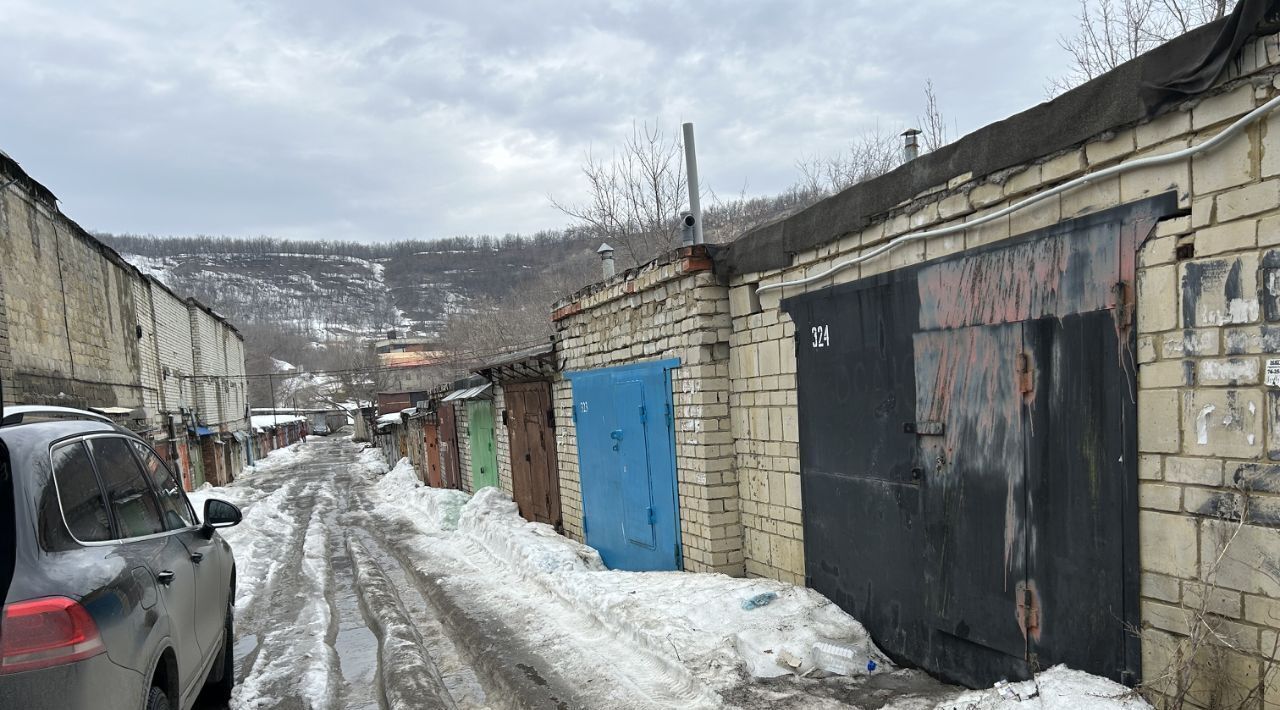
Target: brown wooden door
{"points": [[450, 466], [534, 477], [431, 440]]}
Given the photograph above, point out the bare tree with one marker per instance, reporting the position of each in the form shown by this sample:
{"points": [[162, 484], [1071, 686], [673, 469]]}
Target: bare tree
{"points": [[933, 125], [871, 154], [634, 199], [1111, 32]]}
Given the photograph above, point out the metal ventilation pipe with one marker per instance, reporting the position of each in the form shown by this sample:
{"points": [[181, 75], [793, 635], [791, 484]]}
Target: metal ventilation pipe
{"points": [[688, 232], [910, 145], [691, 170], [606, 261]]}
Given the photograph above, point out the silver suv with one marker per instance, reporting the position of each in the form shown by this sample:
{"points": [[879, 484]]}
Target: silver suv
{"points": [[121, 597]]}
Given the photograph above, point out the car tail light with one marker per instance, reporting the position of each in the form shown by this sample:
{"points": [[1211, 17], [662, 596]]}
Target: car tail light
{"points": [[46, 632]]}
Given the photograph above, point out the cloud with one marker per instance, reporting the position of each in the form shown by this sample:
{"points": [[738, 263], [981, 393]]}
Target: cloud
{"points": [[329, 119]]}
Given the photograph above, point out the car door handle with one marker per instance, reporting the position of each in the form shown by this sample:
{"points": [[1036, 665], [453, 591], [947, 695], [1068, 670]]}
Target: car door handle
{"points": [[165, 577], [197, 557]]}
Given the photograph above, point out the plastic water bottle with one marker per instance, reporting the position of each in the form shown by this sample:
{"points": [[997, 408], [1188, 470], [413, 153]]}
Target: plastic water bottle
{"points": [[842, 659]]}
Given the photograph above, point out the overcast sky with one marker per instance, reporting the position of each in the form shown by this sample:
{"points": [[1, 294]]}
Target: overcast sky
{"points": [[407, 118]]}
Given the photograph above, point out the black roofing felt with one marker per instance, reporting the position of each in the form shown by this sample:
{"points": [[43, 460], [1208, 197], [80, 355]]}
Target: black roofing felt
{"points": [[1129, 93]]}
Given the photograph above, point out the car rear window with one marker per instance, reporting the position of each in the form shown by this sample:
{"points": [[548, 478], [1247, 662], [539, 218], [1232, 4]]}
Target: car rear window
{"points": [[80, 497], [133, 503]]}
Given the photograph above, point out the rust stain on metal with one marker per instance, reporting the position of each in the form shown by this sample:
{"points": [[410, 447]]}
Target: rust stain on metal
{"points": [[1055, 276], [1027, 610]]}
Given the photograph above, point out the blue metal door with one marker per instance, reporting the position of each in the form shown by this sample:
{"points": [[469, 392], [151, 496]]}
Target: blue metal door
{"points": [[626, 457]]}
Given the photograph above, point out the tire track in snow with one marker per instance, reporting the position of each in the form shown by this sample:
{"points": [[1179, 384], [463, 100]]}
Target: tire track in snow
{"points": [[295, 665], [580, 647], [409, 677]]}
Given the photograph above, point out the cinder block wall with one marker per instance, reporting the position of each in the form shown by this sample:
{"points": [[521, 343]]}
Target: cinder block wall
{"points": [[1209, 321], [673, 307]]}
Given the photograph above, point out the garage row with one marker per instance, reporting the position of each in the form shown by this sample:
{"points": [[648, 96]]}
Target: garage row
{"points": [[1002, 404]]}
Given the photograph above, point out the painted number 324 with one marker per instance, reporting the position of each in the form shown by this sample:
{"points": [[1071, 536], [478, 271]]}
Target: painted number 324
{"points": [[821, 336]]}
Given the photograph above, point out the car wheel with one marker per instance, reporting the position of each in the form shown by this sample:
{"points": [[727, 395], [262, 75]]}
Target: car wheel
{"points": [[157, 700], [223, 676]]}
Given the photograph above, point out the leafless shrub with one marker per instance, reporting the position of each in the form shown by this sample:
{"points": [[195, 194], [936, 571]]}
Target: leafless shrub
{"points": [[635, 197]]}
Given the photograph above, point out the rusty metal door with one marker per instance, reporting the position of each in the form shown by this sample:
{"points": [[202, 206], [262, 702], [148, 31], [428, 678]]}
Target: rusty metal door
{"points": [[968, 452], [431, 436], [972, 475], [450, 464], [535, 479]]}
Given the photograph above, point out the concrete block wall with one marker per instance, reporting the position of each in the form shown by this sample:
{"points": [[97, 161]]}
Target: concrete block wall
{"points": [[673, 307], [69, 308], [10, 394], [1208, 296]]}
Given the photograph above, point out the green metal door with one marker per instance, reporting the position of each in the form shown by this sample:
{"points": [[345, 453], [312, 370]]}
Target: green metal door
{"points": [[484, 463]]}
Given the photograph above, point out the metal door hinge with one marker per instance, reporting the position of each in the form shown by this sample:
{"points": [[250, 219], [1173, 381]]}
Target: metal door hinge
{"points": [[1028, 610], [1123, 291], [1026, 383]]}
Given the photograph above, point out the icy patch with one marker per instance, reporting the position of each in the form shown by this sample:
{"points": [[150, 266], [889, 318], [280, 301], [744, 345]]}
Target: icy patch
{"points": [[1059, 688]]}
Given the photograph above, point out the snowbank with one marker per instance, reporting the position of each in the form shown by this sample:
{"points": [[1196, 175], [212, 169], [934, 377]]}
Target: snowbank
{"points": [[1059, 688], [431, 509], [703, 622], [702, 617]]}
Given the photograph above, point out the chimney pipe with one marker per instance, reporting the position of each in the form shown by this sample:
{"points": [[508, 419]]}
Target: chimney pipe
{"points": [[691, 173], [910, 145], [606, 260]]}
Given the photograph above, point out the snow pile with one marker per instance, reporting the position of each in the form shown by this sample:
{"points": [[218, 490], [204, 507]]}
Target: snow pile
{"points": [[1059, 688], [701, 617], [431, 509], [711, 626], [534, 549], [257, 540], [370, 459]]}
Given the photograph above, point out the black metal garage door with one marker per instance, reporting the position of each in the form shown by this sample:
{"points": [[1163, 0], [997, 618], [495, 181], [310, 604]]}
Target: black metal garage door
{"points": [[968, 452]]}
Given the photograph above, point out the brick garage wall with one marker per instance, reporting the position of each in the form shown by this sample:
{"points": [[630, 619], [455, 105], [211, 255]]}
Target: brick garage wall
{"points": [[207, 357], [1208, 317], [502, 440], [235, 392], [70, 309], [673, 307], [172, 325], [464, 444]]}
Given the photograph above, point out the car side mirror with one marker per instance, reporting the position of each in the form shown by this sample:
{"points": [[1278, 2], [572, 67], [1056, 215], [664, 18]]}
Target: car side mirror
{"points": [[220, 514]]}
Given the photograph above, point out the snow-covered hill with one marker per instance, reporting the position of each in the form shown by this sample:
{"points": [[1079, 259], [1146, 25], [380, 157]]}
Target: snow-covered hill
{"points": [[326, 292]]}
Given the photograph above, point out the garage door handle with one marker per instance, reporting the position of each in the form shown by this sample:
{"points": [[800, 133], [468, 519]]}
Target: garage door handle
{"points": [[165, 577], [197, 557]]}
